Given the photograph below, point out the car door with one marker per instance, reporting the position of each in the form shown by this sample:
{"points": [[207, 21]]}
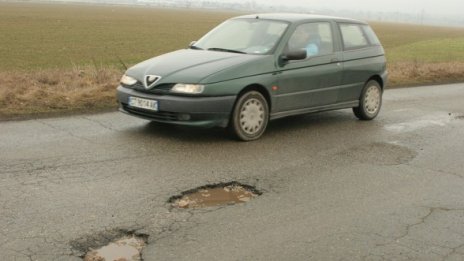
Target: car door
{"points": [[314, 81]]}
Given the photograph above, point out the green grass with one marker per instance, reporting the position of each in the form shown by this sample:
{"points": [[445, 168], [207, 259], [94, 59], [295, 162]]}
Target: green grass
{"points": [[38, 36], [393, 35], [429, 51], [406, 42]]}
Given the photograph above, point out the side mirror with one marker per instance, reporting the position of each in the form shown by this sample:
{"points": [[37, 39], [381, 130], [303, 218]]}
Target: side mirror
{"points": [[192, 43], [294, 55]]}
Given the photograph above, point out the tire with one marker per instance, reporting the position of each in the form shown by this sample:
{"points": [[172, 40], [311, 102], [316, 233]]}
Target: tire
{"points": [[250, 116], [370, 101]]}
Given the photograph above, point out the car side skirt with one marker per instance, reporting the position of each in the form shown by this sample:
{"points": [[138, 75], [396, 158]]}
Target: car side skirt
{"points": [[330, 107]]}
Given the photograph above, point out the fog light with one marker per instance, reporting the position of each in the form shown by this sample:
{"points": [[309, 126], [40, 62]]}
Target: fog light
{"points": [[183, 117]]}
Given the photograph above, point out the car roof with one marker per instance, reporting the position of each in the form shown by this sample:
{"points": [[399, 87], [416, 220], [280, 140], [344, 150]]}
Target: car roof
{"points": [[298, 17]]}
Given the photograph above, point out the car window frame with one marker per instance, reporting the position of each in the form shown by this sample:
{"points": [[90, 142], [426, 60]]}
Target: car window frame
{"points": [[342, 39]]}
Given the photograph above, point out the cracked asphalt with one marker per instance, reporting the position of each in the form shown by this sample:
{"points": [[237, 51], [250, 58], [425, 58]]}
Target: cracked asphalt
{"points": [[334, 188]]}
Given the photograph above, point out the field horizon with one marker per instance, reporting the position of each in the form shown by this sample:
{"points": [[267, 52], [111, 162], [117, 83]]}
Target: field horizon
{"points": [[54, 55]]}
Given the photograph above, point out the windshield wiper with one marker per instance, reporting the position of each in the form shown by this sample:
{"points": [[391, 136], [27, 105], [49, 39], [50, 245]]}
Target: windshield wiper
{"points": [[195, 47], [224, 50]]}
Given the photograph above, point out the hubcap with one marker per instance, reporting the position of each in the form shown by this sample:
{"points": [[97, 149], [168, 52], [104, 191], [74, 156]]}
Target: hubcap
{"points": [[372, 100], [252, 116]]}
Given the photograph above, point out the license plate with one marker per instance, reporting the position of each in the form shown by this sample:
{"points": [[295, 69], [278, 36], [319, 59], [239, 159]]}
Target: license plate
{"points": [[143, 103]]}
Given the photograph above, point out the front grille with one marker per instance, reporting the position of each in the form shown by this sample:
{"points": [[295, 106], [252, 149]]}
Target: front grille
{"points": [[138, 86], [156, 115], [159, 89]]}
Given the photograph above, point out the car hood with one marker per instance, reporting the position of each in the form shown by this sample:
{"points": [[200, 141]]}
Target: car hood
{"points": [[196, 66]]}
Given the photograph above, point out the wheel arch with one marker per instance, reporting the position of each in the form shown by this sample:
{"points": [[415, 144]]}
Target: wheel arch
{"points": [[259, 88], [378, 79]]}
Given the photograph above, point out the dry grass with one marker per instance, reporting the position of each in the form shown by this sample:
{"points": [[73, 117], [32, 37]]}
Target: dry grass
{"points": [[414, 73], [90, 88], [81, 89]]}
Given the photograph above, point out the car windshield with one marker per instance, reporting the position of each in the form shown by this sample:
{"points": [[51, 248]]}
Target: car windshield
{"points": [[251, 36]]}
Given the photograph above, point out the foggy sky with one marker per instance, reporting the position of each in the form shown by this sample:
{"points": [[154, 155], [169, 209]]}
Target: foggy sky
{"points": [[434, 7], [440, 8]]}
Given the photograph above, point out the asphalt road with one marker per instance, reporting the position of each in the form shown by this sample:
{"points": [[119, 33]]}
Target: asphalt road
{"points": [[334, 188]]}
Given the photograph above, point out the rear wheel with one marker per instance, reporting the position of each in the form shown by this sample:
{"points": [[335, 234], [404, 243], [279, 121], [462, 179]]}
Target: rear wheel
{"points": [[250, 116], [369, 102]]}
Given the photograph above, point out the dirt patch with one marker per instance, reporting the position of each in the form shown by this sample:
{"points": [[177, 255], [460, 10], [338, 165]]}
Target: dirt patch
{"points": [[215, 195], [380, 153], [117, 244]]}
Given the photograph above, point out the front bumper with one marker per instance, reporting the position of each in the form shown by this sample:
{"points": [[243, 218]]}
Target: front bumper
{"points": [[180, 110]]}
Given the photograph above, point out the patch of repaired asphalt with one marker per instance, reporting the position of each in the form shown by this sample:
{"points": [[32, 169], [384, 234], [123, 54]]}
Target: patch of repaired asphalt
{"points": [[215, 195], [380, 153], [102, 246]]}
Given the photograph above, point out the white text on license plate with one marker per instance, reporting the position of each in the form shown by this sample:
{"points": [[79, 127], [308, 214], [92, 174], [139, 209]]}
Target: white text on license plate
{"points": [[143, 103]]}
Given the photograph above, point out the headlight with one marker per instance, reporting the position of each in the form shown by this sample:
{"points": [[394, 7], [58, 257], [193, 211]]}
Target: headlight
{"points": [[188, 88], [127, 80]]}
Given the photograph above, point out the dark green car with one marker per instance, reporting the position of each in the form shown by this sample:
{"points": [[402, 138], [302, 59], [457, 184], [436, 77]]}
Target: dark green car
{"points": [[255, 68]]}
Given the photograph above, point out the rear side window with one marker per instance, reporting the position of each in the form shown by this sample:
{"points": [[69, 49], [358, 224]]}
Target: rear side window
{"points": [[371, 35], [353, 36]]}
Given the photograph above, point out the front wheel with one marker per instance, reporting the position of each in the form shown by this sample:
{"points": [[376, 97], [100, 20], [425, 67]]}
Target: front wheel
{"points": [[250, 116], [369, 102]]}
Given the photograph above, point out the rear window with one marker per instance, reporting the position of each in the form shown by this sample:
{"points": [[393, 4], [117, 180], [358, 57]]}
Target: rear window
{"points": [[353, 36]]}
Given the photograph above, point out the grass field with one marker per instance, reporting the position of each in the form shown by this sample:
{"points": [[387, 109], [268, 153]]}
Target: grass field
{"points": [[43, 36], [61, 57]]}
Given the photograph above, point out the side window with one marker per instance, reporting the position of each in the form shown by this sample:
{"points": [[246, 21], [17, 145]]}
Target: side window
{"points": [[353, 36], [315, 38]]}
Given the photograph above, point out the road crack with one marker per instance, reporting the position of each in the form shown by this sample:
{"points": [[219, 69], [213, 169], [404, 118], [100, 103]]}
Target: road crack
{"points": [[437, 170], [99, 123], [65, 131], [420, 222]]}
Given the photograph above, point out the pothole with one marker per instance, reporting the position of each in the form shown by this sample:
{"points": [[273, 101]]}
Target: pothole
{"points": [[124, 249], [215, 195], [112, 245]]}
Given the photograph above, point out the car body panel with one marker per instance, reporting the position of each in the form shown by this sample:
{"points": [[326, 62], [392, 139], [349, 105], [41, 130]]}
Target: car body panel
{"points": [[190, 66], [356, 72], [309, 83]]}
